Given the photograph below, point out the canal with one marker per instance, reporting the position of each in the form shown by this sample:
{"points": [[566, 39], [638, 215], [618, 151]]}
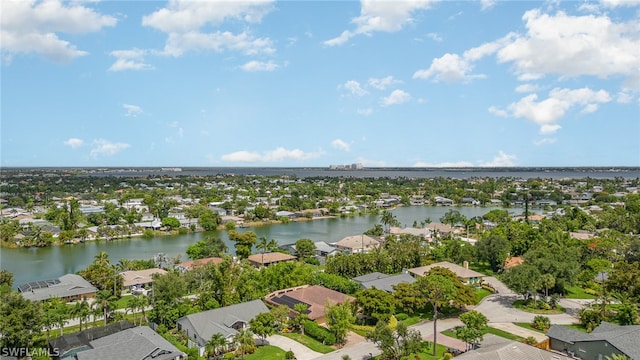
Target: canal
{"points": [[29, 264]]}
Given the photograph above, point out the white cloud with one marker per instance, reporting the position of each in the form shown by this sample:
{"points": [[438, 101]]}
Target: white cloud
{"points": [[546, 113], [545, 141], [396, 97], [435, 37], [365, 111], [448, 68], [383, 83], [381, 15], [132, 110], [253, 66], [182, 20], [501, 160], [277, 155], [619, 3], [581, 45], [354, 88], [341, 145], [188, 15], [487, 4], [129, 60], [526, 88], [28, 26], [498, 112], [370, 162], [106, 147], [74, 143], [624, 97], [179, 43]]}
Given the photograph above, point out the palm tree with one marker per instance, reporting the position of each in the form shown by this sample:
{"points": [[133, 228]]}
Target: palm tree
{"points": [[132, 305], [102, 258], [216, 345], [81, 311], [246, 342], [104, 301], [388, 219], [264, 245]]}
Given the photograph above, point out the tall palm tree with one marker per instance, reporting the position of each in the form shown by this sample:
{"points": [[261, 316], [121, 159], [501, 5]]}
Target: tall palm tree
{"points": [[216, 345], [246, 342], [388, 219], [104, 301], [102, 258], [266, 245], [81, 311]]}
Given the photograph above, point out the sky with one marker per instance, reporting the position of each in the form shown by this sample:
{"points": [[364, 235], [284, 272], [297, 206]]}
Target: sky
{"points": [[417, 83]]}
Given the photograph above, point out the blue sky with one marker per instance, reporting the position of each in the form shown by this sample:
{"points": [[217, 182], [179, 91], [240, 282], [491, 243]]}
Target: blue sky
{"points": [[296, 83]]}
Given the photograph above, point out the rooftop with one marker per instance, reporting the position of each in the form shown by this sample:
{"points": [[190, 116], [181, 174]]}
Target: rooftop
{"points": [[462, 272], [65, 286], [136, 277]]}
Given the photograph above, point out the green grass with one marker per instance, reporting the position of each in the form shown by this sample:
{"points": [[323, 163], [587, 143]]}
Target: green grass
{"points": [[412, 320], [267, 352], [528, 326], [578, 327], [309, 342], [426, 355], [489, 330], [122, 302], [481, 294], [519, 304], [482, 268], [576, 292]]}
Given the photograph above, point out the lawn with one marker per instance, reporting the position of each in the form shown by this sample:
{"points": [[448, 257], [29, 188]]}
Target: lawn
{"points": [[481, 294], [266, 352], [482, 268], [489, 330], [519, 304], [441, 349], [527, 325], [576, 292], [309, 342]]}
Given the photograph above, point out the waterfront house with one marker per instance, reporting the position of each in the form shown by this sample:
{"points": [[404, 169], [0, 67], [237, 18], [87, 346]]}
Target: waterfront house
{"points": [[466, 275], [605, 340], [357, 244], [69, 287], [200, 327], [139, 279], [443, 201], [266, 259], [314, 296]]}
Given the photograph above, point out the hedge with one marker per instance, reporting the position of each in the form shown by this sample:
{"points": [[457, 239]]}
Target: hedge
{"points": [[319, 333]]}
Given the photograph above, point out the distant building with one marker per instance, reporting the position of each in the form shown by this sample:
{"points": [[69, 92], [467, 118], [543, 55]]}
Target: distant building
{"points": [[266, 259], [69, 287], [605, 340], [199, 263]]}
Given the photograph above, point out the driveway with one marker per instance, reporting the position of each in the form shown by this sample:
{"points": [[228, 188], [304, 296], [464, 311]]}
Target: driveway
{"points": [[302, 352]]}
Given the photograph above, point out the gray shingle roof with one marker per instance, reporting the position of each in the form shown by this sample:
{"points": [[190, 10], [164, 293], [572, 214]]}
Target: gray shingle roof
{"points": [[623, 338], [496, 348], [139, 343], [219, 320], [370, 277], [67, 285], [386, 282]]}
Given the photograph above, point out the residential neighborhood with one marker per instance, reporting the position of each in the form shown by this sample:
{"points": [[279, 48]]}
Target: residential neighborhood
{"points": [[555, 280]]}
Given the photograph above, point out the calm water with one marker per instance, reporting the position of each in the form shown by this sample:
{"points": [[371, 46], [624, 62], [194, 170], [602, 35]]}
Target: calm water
{"points": [[45, 263]]}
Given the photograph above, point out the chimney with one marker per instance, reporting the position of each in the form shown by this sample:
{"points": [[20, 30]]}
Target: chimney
{"points": [[465, 264]]}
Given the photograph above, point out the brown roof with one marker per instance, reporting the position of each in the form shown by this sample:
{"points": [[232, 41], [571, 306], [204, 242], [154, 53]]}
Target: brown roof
{"points": [[190, 265], [513, 262], [269, 258], [136, 277], [315, 296]]}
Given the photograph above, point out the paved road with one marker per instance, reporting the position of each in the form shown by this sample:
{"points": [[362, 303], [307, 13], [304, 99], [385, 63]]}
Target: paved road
{"points": [[302, 352]]}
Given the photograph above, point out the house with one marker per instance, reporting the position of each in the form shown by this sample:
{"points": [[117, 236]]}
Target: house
{"points": [[200, 327], [605, 340], [495, 347], [199, 263], [357, 243], [69, 287], [65, 346], [135, 343], [443, 201], [324, 249], [266, 259], [134, 279], [314, 296], [439, 229], [421, 232], [383, 281], [286, 214], [466, 275]]}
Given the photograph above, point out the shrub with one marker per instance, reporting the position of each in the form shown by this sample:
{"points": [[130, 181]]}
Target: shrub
{"points": [[402, 316], [541, 322], [319, 333], [289, 355], [531, 340]]}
